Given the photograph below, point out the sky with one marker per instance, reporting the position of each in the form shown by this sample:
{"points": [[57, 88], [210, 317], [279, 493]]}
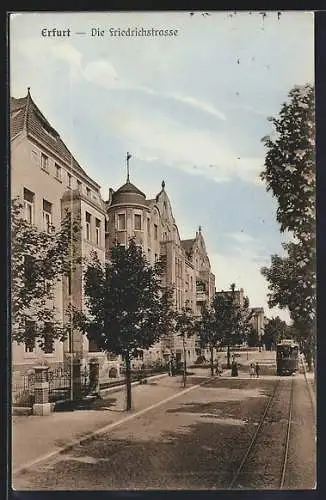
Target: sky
{"points": [[191, 108]]}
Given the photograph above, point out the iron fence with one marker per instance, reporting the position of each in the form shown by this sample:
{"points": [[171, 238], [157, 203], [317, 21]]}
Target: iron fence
{"points": [[22, 389], [59, 378]]}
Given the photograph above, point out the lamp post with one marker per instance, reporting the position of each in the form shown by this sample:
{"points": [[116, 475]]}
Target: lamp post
{"points": [[184, 362]]}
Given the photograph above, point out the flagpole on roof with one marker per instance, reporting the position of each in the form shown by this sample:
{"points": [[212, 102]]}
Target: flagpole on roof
{"points": [[128, 158]]}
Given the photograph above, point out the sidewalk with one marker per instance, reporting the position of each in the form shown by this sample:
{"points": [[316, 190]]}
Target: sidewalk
{"points": [[35, 436]]}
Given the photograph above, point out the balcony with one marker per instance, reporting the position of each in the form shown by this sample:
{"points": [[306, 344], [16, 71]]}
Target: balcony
{"points": [[201, 296]]}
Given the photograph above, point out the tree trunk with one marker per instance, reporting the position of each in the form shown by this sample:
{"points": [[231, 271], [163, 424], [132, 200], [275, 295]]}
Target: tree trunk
{"points": [[184, 364], [228, 357], [212, 361], [128, 381]]}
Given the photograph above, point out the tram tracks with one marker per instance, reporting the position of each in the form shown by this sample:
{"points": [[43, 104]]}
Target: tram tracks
{"points": [[249, 456]]}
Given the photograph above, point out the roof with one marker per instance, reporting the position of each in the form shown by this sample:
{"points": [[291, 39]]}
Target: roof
{"points": [[128, 193], [25, 115], [187, 245]]}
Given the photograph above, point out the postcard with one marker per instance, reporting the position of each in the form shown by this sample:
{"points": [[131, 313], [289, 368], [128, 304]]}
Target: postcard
{"points": [[163, 250]]}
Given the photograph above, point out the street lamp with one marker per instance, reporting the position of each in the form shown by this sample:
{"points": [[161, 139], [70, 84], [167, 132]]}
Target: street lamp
{"points": [[184, 361]]}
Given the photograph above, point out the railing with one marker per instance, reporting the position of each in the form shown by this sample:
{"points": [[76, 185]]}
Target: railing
{"points": [[59, 378], [22, 390], [201, 296]]}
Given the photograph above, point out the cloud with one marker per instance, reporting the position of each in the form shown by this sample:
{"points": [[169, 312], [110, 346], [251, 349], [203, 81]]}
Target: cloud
{"points": [[195, 151], [204, 106], [241, 237], [102, 73]]}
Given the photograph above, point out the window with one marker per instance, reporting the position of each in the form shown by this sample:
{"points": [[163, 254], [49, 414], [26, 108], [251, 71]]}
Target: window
{"points": [[48, 338], [155, 231], [137, 222], [79, 186], [98, 231], [29, 205], [58, 171], [47, 216], [92, 346], [44, 162], [30, 331], [121, 222], [69, 179], [155, 257], [88, 192], [88, 226], [148, 228]]}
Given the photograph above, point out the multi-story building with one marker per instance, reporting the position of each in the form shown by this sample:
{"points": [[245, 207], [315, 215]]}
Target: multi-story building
{"points": [[45, 174], [49, 179], [152, 224]]}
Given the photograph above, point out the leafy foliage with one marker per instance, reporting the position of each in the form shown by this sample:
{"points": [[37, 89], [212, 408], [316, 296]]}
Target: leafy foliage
{"points": [[275, 330], [39, 260], [290, 163], [128, 308], [290, 174], [226, 322]]}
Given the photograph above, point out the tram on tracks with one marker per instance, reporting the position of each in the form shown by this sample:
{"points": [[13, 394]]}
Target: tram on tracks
{"points": [[287, 357]]}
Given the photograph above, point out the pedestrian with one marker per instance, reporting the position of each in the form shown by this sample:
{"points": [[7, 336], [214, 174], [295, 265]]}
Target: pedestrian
{"points": [[234, 369], [170, 367], [217, 369], [252, 370], [257, 369]]}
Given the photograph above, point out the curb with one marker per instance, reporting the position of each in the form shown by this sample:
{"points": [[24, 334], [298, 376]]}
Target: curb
{"points": [[91, 435], [310, 390], [122, 386]]}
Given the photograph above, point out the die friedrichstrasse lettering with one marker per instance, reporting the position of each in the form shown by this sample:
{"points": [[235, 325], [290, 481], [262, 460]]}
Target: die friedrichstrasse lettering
{"points": [[96, 32]]}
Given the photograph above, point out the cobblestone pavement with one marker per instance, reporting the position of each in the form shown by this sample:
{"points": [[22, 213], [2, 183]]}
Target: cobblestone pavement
{"points": [[194, 441]]}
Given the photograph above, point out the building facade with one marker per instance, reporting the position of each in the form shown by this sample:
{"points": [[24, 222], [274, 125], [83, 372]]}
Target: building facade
{"points": [[49, 180], [46, 176], [152, 224]]}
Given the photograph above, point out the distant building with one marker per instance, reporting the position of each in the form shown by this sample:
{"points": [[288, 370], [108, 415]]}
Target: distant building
{"points": [[238, 295], [258, 321]]}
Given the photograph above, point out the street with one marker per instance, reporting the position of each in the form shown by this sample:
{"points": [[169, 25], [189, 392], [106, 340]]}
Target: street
{"points": [[195, 439]]}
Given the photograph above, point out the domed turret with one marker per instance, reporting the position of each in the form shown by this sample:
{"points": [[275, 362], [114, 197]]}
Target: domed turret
{"points": [[128, 193]]}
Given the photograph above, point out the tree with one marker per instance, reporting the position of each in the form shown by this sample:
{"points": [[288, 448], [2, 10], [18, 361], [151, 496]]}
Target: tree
{"points": [[233, 319], [275, 330], [39, 259], [185, 328], [290, 175], [252, 337], [128, 308], [209, 333]]}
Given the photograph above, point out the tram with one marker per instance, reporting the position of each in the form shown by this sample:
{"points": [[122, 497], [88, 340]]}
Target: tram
{"points": [[287, 357]]}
